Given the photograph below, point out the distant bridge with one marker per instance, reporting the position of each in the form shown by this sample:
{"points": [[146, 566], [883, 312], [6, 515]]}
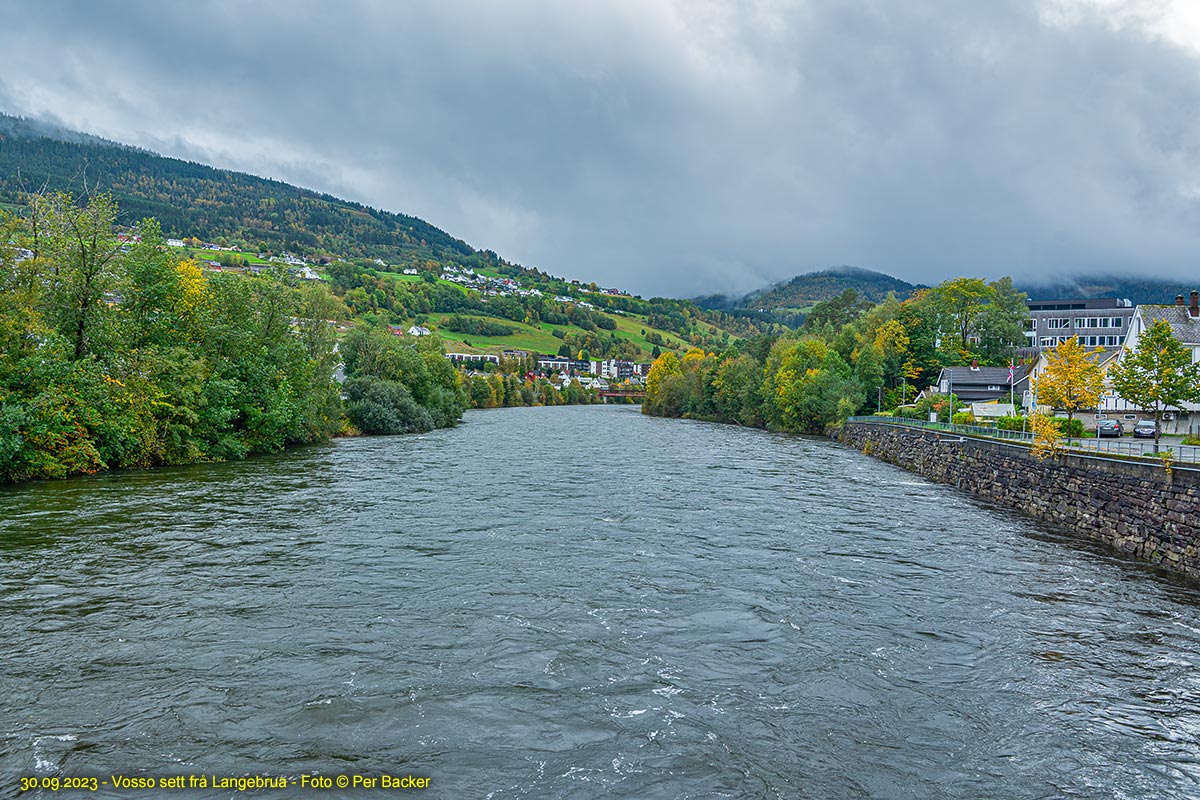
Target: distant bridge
{"points": [[631, 394]]}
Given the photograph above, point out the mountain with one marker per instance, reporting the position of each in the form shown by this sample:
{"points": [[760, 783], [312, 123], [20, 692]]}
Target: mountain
{"points": [[190, 199], [391, 268], [786, 302], [805, 291], [1139, 291]]}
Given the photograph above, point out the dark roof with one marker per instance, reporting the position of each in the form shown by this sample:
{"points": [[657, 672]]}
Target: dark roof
{"points": [[1184, 326], [985, 375], [1076, 304]]}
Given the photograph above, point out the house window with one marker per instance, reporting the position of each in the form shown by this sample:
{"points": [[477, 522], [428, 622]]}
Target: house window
{"points": [[1058, 323], [995, 388], [1117, 322], [1079, 322]]}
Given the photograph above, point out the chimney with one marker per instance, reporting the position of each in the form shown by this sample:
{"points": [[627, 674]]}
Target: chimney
{"points": [[1178, 299], [1194, 306], [975, 365]]}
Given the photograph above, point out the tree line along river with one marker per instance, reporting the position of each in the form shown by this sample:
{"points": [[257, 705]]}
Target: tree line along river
{"points": [[583, 602]]}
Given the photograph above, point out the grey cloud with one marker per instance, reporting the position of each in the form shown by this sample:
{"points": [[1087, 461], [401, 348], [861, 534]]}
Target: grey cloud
{"points": [[672, 148]]}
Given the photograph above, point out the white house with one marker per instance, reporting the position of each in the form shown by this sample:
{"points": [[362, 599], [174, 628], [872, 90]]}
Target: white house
{"points": [[419, 330], [1184, 320]]}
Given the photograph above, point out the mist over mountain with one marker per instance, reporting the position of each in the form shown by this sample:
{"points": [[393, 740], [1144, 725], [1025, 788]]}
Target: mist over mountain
{"points": [[787, 301], [1139, 291]]}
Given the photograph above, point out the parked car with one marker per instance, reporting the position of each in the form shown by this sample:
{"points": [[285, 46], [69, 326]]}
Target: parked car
{"points": [[1110, 427], [1144, 429]]}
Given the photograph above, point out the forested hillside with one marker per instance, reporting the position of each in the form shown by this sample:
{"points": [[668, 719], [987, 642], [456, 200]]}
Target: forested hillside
{"points": [[1138, 291], [789, 301], [362, 252], [805, 291], [191, 199]]}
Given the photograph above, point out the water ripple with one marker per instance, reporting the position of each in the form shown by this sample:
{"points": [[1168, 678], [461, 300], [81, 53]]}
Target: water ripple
{"points": [[585, 602]]}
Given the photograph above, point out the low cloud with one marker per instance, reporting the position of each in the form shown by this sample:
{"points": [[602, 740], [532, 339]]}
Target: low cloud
{"points": [[669, 147]]}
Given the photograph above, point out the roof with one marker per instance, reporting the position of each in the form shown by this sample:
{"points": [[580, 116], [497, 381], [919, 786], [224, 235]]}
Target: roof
{"points": [[988, 375], [1184, 327], [1077, 304]]}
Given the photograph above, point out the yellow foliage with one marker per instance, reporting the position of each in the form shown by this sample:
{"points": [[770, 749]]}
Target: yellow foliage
{"points": [[192, 286], [663, 367], [1072, 379], [1045, 436], [891, 338]]}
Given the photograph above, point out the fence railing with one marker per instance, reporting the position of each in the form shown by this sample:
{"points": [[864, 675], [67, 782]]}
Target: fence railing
{"points": [[1121, 447]]}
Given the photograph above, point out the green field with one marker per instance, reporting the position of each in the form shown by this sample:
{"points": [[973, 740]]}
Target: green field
{"points": [[542, 340], [524, 337], [215, 255], [630, 327]]}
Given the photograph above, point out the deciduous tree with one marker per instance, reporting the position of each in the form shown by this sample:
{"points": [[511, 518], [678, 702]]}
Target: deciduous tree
{"points": [[1072, 379]]}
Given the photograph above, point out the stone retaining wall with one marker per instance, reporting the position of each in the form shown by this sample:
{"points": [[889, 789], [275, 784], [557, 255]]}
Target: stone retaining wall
{"points": [[1138, 508]]}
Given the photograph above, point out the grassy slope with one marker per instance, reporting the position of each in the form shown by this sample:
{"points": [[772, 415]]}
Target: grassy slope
{"points": [[541, 339], [524, 337]]}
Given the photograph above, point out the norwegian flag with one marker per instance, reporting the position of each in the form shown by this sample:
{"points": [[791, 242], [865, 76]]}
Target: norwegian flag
{"points": [[1010, 371]]}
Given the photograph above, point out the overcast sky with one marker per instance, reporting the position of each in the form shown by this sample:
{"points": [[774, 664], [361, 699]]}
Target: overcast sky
{"points": [[674, 147]]}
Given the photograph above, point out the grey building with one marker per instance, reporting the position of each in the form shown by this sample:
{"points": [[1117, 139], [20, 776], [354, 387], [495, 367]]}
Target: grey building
{"points": [[1102, 322]]}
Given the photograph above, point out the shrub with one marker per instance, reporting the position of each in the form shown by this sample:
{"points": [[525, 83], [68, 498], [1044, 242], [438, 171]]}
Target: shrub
{"points": [[1075, 429], [384, 407], [477, 327], [963, 418]]}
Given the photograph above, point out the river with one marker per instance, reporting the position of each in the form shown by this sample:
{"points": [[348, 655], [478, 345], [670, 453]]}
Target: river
{"points": [[582, 602]]}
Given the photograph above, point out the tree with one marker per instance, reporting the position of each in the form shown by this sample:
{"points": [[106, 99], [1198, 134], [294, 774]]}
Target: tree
{"points": [[736, 386], [808, 385], [891, 345], [1045, 437], [1159, 374], [1072, 379], [79, 244], [964, 299], [1001, 322], [665, 368], [923, 316], [831, 315]]}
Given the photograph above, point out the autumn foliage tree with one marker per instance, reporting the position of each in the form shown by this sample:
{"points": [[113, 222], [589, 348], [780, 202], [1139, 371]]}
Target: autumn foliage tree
{"points": [[1072, 379]]}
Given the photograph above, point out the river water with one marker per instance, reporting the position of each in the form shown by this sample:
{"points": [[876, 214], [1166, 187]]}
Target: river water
{"points": [[581, 603]]}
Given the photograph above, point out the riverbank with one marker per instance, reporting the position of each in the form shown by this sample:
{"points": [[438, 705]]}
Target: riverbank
{"points": [[1144, 510]]}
